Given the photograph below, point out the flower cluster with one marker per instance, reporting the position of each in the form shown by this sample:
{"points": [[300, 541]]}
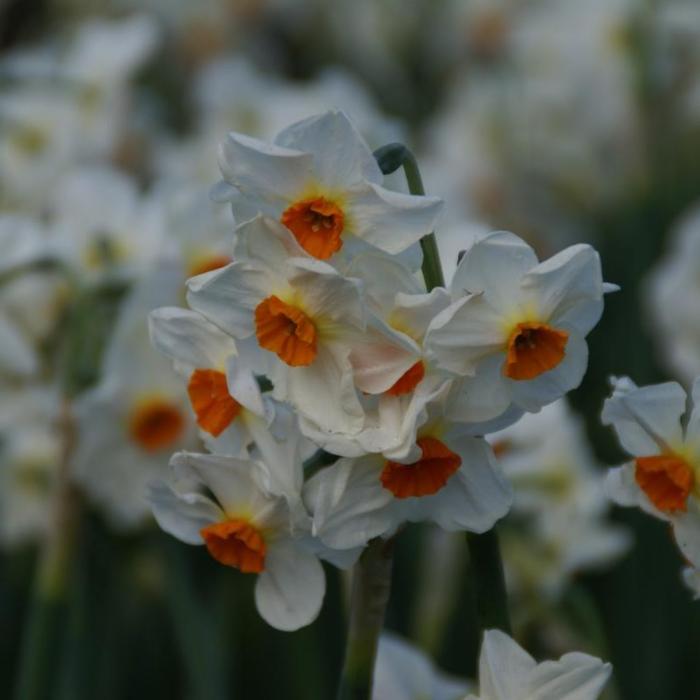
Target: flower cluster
{"points": [[393, 381]]}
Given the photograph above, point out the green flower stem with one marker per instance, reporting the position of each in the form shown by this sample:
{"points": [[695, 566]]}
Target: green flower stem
{"points": [[36, 673], [391, 158], [489, 581], [371, 586]]}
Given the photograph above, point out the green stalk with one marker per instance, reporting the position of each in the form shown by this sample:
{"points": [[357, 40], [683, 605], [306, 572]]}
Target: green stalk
{"points": [[489, 581], [487, 566], [44, 624], [391, 158], [371, 586]]}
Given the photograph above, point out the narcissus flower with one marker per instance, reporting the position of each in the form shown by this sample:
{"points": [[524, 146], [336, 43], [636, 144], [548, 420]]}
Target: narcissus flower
{"points": [[518, 325], [230, 506], [300, 314], [449, 477], [663, 477], [223, 392], [320, 179], [404, 672], [507, 672]]}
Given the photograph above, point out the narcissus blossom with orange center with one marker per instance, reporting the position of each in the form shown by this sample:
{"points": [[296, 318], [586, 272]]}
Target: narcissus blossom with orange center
{"points": [[516, 328], [300, 316], [449, 478], [222, 390], [320, 180], [234, 508], [662, 477]]}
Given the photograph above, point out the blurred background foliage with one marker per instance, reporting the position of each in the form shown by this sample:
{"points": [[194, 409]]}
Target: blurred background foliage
{"points": [[149, 617]]}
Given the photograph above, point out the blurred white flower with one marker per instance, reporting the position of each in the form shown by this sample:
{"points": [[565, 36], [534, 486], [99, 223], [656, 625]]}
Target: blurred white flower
{"points": [[137, 415], [30, 450], [673, 295], [404, 672], [507, 672]]}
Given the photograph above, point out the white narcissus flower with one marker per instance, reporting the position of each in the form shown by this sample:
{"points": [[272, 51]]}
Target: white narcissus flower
{"points": [[223, 392], [228, 504], [517, 326], [663, 479], [404, 672], [507, 672], [137, 415], [300, 314], [448, 477], [320, 179]]}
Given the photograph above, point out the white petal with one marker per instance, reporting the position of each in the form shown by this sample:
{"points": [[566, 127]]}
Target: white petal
{"points": [[228, 296], [384, 277], [188, 338], [328, 297], [504, 667], [645, 418], [273, 173], [349, 503], [324, 391], [182, 515], [232, 481], [464, 333], [381, 357], [391, 221], [494, 265], [341, 157], [575, 676], [289, 592], [480, 398], [244, 387], [686, 529], [569, 288]]}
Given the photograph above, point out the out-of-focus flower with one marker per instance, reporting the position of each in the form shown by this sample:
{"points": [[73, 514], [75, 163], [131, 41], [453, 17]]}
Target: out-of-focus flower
{"points": [[138, 414], [320, 179], [404, 672], [508, 672], [102, 223], [674, 295], [244, 524], [517, 326], [30, 450], [558, 525]]}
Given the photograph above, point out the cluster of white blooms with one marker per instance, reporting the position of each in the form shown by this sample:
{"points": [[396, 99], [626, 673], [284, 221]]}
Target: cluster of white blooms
{"points": [[400, 382], [662, 477]]}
